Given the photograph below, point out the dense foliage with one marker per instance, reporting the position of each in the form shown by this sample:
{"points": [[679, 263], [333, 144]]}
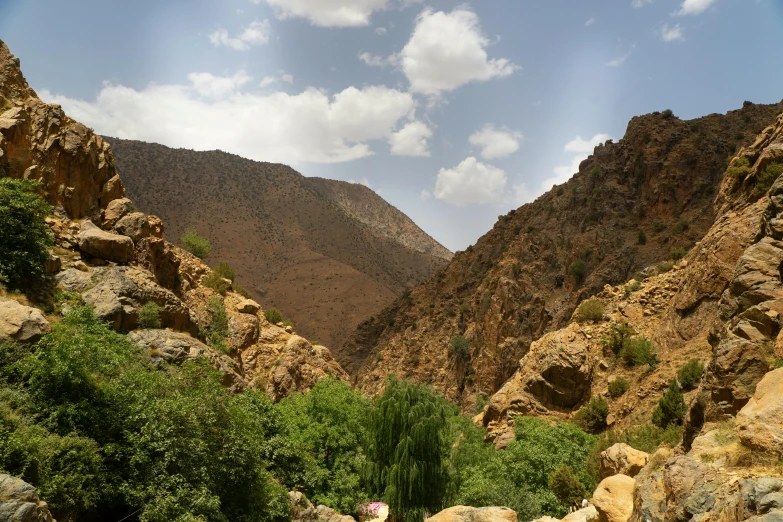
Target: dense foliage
{"points": [[149, 315], [195, 244], [671, 408], [690, 373], [25, 238], [590, 310]]}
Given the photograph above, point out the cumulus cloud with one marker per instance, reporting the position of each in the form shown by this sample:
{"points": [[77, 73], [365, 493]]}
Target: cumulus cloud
{"points": [[212, 112], [381, 31], [257, 33], [672, 34], [581, 148], [448, 50], [495, 143], [470, 182], [694, 7], [411, 140], [329, 13], [373, 60]]}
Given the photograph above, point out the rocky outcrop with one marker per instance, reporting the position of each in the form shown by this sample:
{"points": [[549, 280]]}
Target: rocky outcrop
{"points": [[622, 459], [21, 323], [135, 226], [114, 211], [105, 245], [471, 514], [613, 499], [302, 510], [19, 502], [760, 422]]}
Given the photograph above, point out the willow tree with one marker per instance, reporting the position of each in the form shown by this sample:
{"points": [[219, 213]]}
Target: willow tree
{"points": [[406, 449]]}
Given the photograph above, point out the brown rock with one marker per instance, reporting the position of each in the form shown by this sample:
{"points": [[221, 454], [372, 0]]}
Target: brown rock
{"points": [[113, 189], [614, 498], [588, 514], [471, 514], [19, 502], [248, 306], [114, 211], [622, 459], [105, 245], [300, 366], [760, 422], [53, 264], [21, 323], [136, 226]]}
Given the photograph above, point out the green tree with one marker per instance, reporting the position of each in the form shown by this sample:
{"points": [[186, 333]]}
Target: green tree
{"points": [[671, 408], [25, 238], [578, 269], [406, 449], [217, 330], [460, 348], [690, 373], [592, 417], [149, 315], [566, 485], [195, 244]]}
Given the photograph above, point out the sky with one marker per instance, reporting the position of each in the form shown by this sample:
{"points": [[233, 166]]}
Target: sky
{"points": [[454, 112]]}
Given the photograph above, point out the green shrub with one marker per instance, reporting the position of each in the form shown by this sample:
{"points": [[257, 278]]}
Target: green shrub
{"points": [[667, 114], [767, 177], [592, 416], [641, 238], [618, 387], [664, 267], [25, 238], [273, 316], [195, 244], [690, 374], [149, 315], [460, 348], [241, 290], [637, 351], [741, 168], [590, 310], [217, 330], [677, 253], [566, 485], [646, 437], [617, 335], [747, 103], [671, 408], [225, 271], [631, 288], [217, 283], [680, 227], [577, 270], [289, 322]]}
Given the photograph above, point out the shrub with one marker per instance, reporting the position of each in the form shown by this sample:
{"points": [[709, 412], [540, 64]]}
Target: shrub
{"points": [[217, 330], [646, 437], [25, 238], [747, 103], [617, 335], [664, 267], [241, 290], [690, 374], [460, 348], [590, 310], [767, 177], [680, 227], [195, 244], [641, 238], [741, 168], [149, 315], [618, 387], [578, 270], [289, 322], [592, 416], [677, 253], [566, 485], [637, 351], [225, 271], [667, 114], [631, 288], [273, 316], [217, 283], [671, 408]]}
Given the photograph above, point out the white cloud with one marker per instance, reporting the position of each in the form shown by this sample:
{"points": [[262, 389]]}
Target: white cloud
{"points": [[257, 33], [213, 113], [448, 50], [425, 195], [522, 195], [373, 60], [694, 7], [636, 4], [581, 148], [271, 80], [411, 140], [329, 13], [617, 62], [364, 181], [672, 34], [470, 182], [495, 143], [590, 21], [381, 31]]}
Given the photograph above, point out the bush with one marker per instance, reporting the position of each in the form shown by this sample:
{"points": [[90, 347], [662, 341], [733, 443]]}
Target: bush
{"points": [[149, 315], [577, 270], [641, 238], [664, 267], [195, 244], [690, 374], [289, 322], [677, 253], [631, 288], [566, 485], [241, 290], [592, 416], [680, 227], [741, 168], [460, 349], [25, 238], [646, 437], [747, 103], [617, 335], [667, 114], [618, 387], [273, 316], [637, 351], [217, 330], [225, 271], [217, 283], [590, 310], [767, 177], [671, 408]]}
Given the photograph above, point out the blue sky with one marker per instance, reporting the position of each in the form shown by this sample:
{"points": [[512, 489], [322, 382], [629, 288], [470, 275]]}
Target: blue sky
{"points": [[454, 112]]}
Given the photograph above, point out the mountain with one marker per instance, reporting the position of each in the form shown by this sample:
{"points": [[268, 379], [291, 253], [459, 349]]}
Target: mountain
{"points": [[328, 254], [632, 204]]}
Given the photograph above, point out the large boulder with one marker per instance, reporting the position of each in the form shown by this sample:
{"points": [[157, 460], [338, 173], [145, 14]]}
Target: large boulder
{"points": [[588, 514], [471, 514], [614, 498], [135, 226], [20, 503], [760, 422], [622, 459], [116, 210], [21, 323], [105, 245]]}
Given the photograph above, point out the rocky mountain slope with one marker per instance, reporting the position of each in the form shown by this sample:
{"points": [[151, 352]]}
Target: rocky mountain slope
{"points": [[328, 254], [631, 205]]}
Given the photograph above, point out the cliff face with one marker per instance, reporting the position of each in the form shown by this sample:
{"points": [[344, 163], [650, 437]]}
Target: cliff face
{"points": [[328, 254], [628, 207]]}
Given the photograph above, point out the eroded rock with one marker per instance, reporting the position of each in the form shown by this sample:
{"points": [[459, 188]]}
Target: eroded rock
{"points": [[622, 459], [19, 502], [471, 514], [105, 245], [760, 422], [21, 323], [613, 498]]}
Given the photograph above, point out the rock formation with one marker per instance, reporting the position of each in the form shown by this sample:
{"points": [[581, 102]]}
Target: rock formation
{"points": [[19, 502]]}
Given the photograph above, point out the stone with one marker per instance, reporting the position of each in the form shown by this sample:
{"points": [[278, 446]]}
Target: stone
{"points": [[113, 189], [613, 498], [327, 514], [21, 323], [471, 514], [588, 514], [622, 459], [73, 280], [114, 211], [105, 245], [19, 502], [759, 423], [53, 264], [248, 306], [135, 226]]}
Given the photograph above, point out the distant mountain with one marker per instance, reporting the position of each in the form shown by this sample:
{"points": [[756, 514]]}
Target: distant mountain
{"points": [[328, 254]]}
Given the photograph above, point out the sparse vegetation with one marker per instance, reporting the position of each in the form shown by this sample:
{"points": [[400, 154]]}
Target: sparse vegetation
{"points": [[195, 244], [225, 271], [632, 287], [664, 267], [641, 238], [638, 351], [680, 227], [241, 290], [671, 408], [566, 485], [590, 310], [618, 387], [690, 373], [766, 178], [273, 316], [677, 253], [460, 349], [149, 315], [577, 270], [646, 437], [592, 416], [740, 169], [217, 283], [615, 339], [217, 330]]}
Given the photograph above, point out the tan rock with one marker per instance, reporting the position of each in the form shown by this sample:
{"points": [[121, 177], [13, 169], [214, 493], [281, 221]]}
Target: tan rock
{"points": [[300, 366], [105, 245], [21, 323], [19, 502], [248, 306], [614, 498], [471, 514], [114, 211], [622, 459], [760, 422], [588, 514], [136, 226]]}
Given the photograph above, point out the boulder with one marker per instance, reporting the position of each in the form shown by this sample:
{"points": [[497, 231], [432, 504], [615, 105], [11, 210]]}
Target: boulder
{"points": [[613, 499], [21, 323], [327, 514], [759, 423], [113, 189], [622, 459], [300, 367], [135, 226], [302, 510], [53, 264], [105, 245], [562, 369], [248, 306], [588, 514], [471, 514], [115, 210], [73, 280], [20, 503]]}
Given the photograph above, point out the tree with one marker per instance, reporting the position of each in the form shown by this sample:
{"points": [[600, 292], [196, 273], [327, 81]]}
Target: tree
{"points": [[690, 373], [566, 485], [578, 270], [592, 417], [149, 315], [671, 408], [195, 244], [460, 348], [406, 449], [25, 238]]}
